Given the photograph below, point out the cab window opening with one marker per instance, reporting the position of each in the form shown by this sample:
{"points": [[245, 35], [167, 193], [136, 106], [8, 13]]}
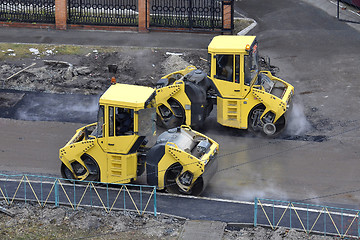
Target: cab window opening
{"points": [[100, 122], [237, 68], [224, 67], [124, 121], [111, 121], [251, 67]]}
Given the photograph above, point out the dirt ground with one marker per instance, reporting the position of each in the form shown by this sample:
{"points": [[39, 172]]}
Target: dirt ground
{"points": [[85, 71], [29, 221]]}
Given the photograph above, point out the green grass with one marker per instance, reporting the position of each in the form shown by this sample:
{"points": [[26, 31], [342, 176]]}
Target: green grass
{"points": [[22, 50]]}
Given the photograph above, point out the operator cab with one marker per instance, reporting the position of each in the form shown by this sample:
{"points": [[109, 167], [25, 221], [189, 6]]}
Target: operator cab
{"points": [[233, 64], [126, 116]]}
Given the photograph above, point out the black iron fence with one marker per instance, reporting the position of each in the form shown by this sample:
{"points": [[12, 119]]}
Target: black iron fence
{"points": [[29, 11], [103, 12], [348, 10], [189, 14]]}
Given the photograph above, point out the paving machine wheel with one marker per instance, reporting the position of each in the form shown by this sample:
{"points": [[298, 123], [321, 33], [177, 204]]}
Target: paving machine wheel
{"points": [[65, 172], [265, 125], [173, 117], [92, 170], [255, 124], [173, 179]]}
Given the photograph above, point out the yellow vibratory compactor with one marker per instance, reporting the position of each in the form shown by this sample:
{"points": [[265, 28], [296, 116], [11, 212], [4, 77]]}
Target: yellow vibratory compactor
{"points": [[114, 150], [246, 91]]}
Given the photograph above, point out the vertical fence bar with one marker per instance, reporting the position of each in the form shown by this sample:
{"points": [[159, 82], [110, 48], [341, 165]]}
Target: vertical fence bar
{"points": [[124, 200], [25, 187], [290, 214], [342, 223], [140, 200], [338, 9], [358, 225], [155, 210], [190, 14], [324, 223], [74, 196], [307, 218], [212, 7], [56, 192], [255, 211], [5, 190], [91, 200], [273, 222], [41, 190], [107, 195]]}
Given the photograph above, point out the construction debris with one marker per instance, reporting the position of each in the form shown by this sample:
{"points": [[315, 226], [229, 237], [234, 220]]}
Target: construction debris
{"points": [[7, 212]]}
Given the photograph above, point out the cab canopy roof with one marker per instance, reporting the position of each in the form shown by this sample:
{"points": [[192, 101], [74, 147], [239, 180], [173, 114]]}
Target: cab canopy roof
{"points": [[230, 44], [127, 96]]}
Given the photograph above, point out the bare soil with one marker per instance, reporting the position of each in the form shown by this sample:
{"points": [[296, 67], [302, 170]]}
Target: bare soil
{"points": [[30, 221], [87, 72], [33, 222]]}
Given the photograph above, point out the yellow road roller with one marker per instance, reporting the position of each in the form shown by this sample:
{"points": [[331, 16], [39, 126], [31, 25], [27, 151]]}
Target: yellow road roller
{"points": [[116, 149]]}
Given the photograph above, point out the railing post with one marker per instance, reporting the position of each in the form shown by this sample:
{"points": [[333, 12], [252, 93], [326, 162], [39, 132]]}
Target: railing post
{"points": [[342, 222], [25, 188], [290, 214], [124, 200], [41, 188], [107, 196], [190, 14], [324, 223], [338, 9], [307, 218], [74, 196], [91, 200], [273, 223], [56, 192], [155, 210], [141, 201], [358, 221], [255, 211], [5, 189]]}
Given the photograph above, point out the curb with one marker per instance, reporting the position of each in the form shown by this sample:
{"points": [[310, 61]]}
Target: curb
{"points": [[248, 28]]}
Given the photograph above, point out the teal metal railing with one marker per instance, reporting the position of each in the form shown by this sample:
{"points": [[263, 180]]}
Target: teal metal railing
{"points": [[49, 190], [310, 218]]}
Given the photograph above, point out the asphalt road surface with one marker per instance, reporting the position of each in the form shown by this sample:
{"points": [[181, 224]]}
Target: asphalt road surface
{"points": [[320, 57]]}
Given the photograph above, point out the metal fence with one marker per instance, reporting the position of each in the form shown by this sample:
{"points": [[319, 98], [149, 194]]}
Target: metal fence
{"points": [[30, 11], [189, 14], [103, 12], [348, 10], [310, 218], [56, 191]]}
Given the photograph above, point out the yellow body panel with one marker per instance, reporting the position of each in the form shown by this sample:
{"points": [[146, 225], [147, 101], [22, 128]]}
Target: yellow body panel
{"points": [[228, 44], [124, 95], [177, 91], [121, 168], [190, 163], [114, 167], [73, 152]]}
